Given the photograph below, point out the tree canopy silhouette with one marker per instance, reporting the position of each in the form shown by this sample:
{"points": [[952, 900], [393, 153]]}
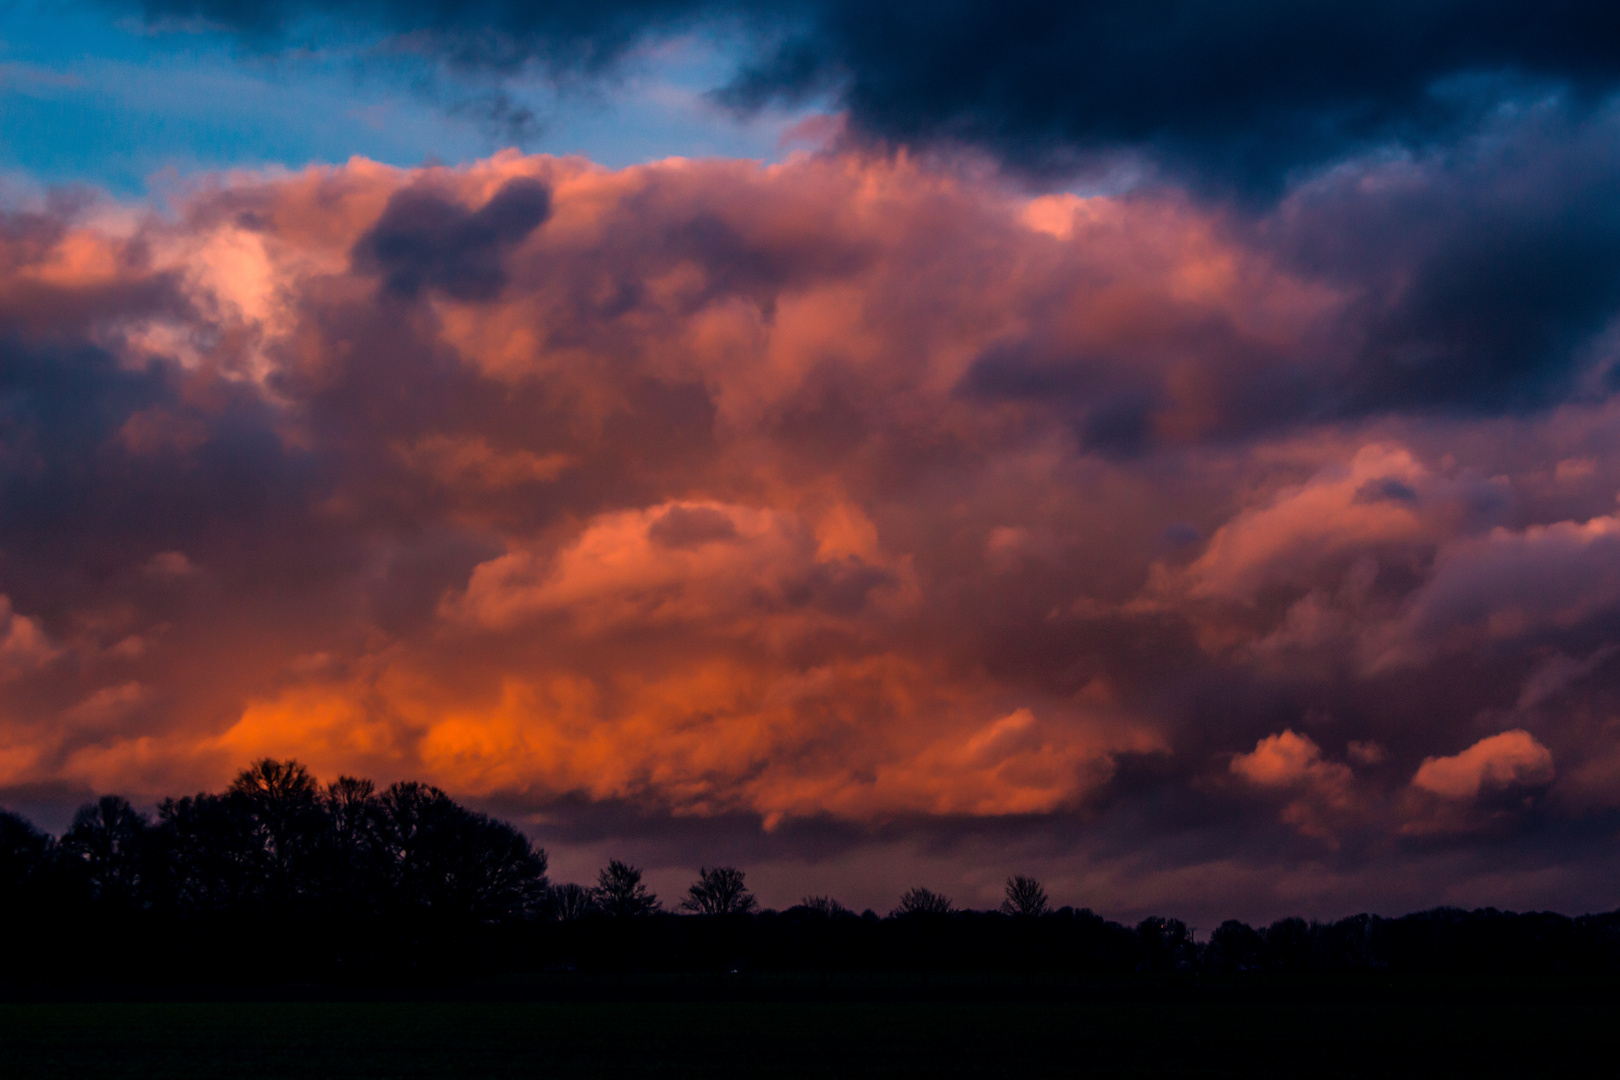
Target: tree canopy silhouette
{"points": [[278, 844], [570, 902], [25, 855], [279, 877], [1025, 897], [921, 901], [620, 893], [719, 891], [824, 905], [108, 845], [278, 805]]}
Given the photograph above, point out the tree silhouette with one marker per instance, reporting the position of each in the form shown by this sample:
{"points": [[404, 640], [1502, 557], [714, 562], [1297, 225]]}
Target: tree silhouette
{"points": [[456, 864], [1166, 944], [921, 901], [620, 893], [25, 858], [279, 878], [355, 864], [1289, 945], [28, 899], [107, 846], [1236, 946], [570, 902], [498, 874], [1025, 897], [280, 807], [205, 856], [719, 892], [352, 812], [418, 829], [824, 905]]}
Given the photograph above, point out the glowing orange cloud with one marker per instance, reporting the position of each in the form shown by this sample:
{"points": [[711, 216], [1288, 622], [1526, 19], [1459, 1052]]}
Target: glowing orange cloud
{"points": [[843, 489]]}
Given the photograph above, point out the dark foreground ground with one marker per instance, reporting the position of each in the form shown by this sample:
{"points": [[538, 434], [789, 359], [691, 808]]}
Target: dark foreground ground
{"points": [[1520, 1031]]}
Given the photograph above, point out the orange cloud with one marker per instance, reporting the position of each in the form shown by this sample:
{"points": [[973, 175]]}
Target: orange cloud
{"points": [[702, 564], [1374, 499], [1320, 790], [845, 489], [23, 645], [1513, 757]]}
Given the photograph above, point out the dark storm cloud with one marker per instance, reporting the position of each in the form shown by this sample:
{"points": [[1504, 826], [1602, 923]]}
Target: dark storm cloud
{"points": [[1485, 270], [424, 240], [573, 34], [1236, 93], [1244, 91], [1481, 277]]}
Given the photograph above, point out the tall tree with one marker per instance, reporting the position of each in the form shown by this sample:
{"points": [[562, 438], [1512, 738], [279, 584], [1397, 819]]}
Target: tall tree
{"points": [[355, 864], [457, 864], [280, 805], [25, 858], [719, 891], [1025, 897], [204, 850], [620, 893], [107, 846], [570, 902]]}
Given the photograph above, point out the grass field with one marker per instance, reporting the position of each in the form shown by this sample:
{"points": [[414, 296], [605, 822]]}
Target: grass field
{"points": [[352, 1041]]}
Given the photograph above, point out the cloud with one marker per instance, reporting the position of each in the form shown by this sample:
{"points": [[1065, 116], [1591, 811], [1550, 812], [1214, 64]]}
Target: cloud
{"points": [[424, 240], [1382, 498], [1284, 760], [1329, 564], [1511, 758], [1557, 673], [692, 563], [170, 565], [23, 645], [1520, 583], [1050, 86], [854, 500], [1472, 287], [1319, 790], [471, 460]]}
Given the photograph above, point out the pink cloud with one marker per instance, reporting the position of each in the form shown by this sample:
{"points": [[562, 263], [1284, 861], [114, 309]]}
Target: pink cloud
{"points": [[711, 565], [845, 490], [1382, 497], [1513, 757], [23, 645], [1319, 790], [1514, 583]]}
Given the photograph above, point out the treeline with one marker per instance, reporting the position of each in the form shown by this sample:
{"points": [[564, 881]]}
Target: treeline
{"points": [[281, 880]]}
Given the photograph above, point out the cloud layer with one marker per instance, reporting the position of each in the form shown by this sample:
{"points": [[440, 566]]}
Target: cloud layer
{"points": [[1234, 95], [846, 502]]}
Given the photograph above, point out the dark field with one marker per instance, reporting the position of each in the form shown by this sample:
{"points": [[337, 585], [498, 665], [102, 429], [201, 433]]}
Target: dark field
{"points": [[350, 1040]]}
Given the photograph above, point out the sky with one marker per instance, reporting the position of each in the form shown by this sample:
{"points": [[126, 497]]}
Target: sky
{"points": [[1167, 449]]}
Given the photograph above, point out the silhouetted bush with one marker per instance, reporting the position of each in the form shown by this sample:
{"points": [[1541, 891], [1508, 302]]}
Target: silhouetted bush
{"points": [[921, 901]]}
